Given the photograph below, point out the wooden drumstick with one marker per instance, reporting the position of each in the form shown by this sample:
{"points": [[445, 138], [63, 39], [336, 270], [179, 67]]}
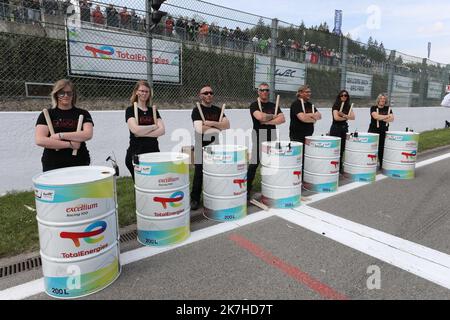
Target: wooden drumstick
{"points": [[79, 126], [378, 122], [49, 122], [259, 105], [277, 104], [351, 107], [221, 112], [136, 113], [259, 204], [303, 105], [313, 109], [201, 112], [342, 107], [155, 119]]}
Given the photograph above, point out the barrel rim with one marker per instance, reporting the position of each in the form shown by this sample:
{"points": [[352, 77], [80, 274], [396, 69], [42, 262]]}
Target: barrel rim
{"points": [[225, 146], [37, 176], [225, 197], [361, 151], [320, 174], [75, 223], [185, 157], [224, 175], [322, 158], [300, 166], [287, 142], [276, 187], [408, 133], [160, 190], [329, 138]]}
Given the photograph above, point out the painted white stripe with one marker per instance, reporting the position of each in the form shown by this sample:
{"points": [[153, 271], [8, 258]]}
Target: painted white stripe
{"points": [[37, 286], [421, 261]]}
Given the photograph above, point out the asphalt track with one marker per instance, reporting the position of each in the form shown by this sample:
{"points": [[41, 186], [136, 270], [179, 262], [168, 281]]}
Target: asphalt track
{"points": [[386, 240]]}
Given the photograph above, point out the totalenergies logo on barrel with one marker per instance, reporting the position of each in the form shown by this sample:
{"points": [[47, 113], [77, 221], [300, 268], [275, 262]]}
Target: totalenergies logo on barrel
{"points": [[93, 230], [409, 155], [174, 200]]}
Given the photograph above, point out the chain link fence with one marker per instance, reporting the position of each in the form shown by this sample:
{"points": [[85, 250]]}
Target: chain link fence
{"points": [[104, 48]]}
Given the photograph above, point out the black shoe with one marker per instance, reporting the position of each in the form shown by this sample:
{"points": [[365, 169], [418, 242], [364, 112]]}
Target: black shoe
{"points": [[195, 204]]}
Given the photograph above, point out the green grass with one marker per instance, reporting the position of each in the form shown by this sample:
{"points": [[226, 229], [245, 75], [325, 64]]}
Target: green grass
{"points": [[18, 227]]}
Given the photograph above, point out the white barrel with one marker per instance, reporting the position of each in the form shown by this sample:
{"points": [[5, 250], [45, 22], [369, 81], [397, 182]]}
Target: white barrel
{"points": [[365, 142], [401, 140], [78, 229], [281, 177], [167, 170], [360, 173], [163, 232], [322, 146], [403, 171], [225, 159], [400, 156], [281, 197], [79, 277], [225, 208], [225, 185], [321, 165], [281, 154], [361, 158], [320, 182], [162, 203]]}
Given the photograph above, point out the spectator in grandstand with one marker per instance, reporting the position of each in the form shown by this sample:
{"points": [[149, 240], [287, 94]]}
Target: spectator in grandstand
{"points": [[144, 128], [85, 11], [135, 21], [97, 16], [112, 17], [380, 117], [170, 24], [192, 30], [124, 18], [180, 27], [4, 9], [214, 32], [341, 113], [64, 117], [203, 32]]}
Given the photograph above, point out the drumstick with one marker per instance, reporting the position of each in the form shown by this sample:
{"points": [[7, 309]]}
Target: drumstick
{"points": [[221, 112], [49, 123], [259, 104], [79, 125], [351, 107], [201, 112], [303, 105], [313, 109], [277, 105], [342, 107], [136, 114], [378, 122], [154, 116], [259, 204]]}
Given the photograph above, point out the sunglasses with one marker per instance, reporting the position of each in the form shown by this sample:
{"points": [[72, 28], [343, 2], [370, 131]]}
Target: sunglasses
{"points": [[207, 93], [343, 95], [61, 94], [264, 90]]}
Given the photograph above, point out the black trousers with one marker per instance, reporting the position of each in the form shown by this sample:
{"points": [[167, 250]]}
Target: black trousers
{"points": [[381, 140], [197, 183], [48, 165], [340, 131], [137, 150]]}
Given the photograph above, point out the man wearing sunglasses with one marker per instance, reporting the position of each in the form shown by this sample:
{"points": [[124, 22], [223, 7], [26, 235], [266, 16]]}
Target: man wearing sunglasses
{"points": [[206, 133], [264, 121]]}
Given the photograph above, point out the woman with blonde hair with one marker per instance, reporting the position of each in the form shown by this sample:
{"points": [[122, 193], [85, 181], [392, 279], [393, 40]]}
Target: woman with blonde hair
{"points": [[59, 147], [381, 115], [144, 128]]}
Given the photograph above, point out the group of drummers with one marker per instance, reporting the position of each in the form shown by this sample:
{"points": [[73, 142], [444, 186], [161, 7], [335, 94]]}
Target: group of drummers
{"points": [[63, 129]]}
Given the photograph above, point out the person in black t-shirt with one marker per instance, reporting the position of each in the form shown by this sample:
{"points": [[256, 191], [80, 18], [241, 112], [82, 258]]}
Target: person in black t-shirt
{"points": [[206, 133], [341, 113], [303, 116], [145, 130], [64, 116], [381, 115], [264, 121]]}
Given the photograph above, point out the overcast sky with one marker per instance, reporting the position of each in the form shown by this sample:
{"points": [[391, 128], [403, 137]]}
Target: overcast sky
{"points": [[404, 25]]}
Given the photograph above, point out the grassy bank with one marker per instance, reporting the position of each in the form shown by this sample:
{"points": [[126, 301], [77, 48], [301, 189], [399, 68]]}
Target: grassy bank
{"points": [[18, 227]]}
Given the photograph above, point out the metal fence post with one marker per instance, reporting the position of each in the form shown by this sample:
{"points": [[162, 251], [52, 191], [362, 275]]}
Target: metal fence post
{"points": [[149, 43], [391, 74], [273, 57], [344, 63], [422, 80]]}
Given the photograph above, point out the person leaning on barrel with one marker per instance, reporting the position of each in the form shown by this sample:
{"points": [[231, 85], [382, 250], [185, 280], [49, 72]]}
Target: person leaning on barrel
{"points": [[266, 116], [303, 115], [342, 111], [207, 126], [380, 117], [144, 122], [64, 129]]}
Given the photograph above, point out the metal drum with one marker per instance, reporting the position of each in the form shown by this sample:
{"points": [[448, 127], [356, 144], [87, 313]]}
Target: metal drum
{"points": [[281, 197], [400, 154], [320, 182], [281, 154]]}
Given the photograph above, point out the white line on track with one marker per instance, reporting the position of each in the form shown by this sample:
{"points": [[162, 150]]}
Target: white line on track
{"points": [[422, 261]]}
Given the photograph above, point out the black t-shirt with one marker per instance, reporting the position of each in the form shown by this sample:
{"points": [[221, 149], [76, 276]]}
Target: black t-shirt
{"points": [[345, 110], [384, 126], [147, 144], [65, 121], [269, 108], [211, 114], [299, 129]]}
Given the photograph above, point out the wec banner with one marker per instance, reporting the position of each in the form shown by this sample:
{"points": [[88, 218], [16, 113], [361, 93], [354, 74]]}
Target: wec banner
{"points": [[358, 84], [402, 88], [112, 54], [289, 75], [434, 90]]}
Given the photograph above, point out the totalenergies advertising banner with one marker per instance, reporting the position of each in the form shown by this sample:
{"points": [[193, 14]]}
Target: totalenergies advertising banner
{"points": [[112, 54]]}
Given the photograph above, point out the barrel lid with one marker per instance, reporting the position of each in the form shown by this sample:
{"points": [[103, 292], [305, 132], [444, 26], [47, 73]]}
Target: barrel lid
{"points": [[159, 157], [364, 134], [322, 138], [405, 133], [283, 144], [73, 175], [224, 148]]}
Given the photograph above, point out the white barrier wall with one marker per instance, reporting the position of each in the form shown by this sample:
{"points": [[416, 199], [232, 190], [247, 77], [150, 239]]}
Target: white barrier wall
{"points": [[20, 158]]}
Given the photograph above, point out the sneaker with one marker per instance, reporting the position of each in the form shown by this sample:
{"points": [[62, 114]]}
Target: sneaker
{"points": [[195, 204]]}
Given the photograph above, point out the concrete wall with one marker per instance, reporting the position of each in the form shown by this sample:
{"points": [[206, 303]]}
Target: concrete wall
{"points": [[20, 158]]}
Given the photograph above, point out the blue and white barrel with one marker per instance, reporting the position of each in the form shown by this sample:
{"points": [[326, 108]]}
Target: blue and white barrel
{"points": [[400, 154], [162, 198], [78, 230], [281, 174], [361, 155], [225, 182], [321, 168]]}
